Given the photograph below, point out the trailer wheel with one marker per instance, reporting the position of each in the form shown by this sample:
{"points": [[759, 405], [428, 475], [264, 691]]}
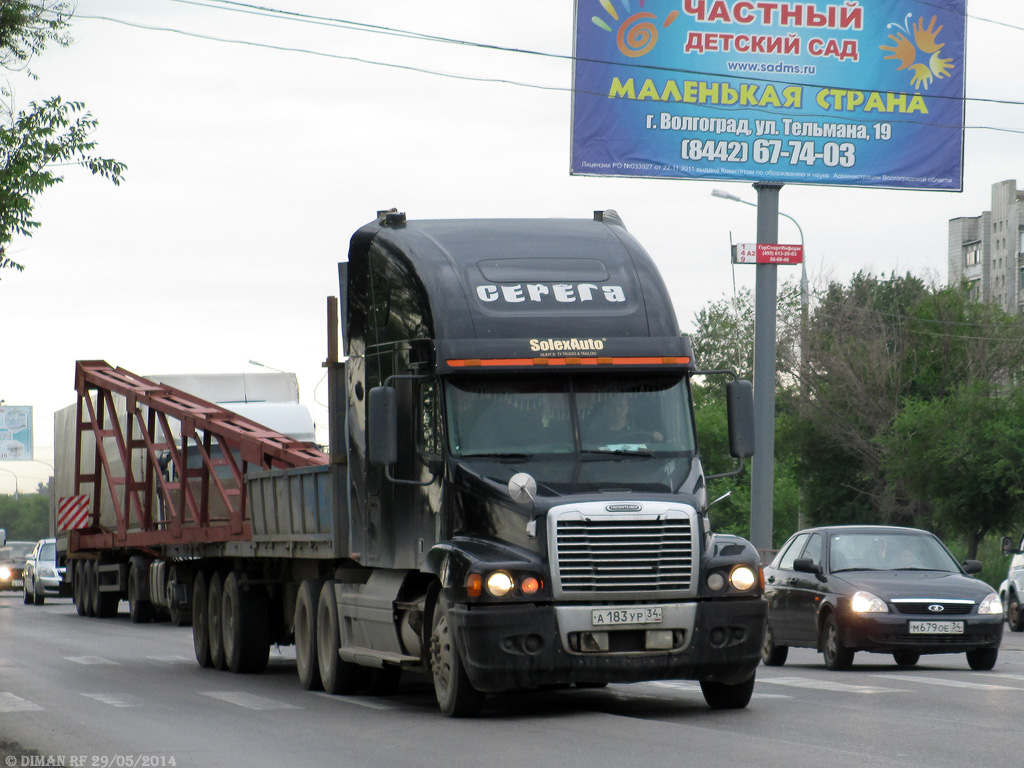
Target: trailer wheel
{"points": [[104, 604], [456, 696], [200, 623], [215, 616], [336, 675], [89, 572], [140, 609], [179, 615], [306, 603], [245, 626], [77, 586]]}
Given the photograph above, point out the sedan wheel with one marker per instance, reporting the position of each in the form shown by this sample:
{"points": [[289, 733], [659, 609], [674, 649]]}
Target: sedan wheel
{"points": [[837, 656], [771, 654], [1014, 616], [982, 659], [906, 658]]}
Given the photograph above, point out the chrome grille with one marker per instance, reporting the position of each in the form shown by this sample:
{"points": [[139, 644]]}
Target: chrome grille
{"points": [[599, 553], [921, 608]]}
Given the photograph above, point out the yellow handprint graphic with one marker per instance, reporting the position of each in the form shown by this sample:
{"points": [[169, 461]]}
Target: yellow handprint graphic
{"points": [[904, 51], [925, 38], [925, 42], [941, 67], [922, 76]]}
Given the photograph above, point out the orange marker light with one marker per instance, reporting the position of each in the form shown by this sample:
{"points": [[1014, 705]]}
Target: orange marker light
{"points": [[530, 586], [474, 585]]}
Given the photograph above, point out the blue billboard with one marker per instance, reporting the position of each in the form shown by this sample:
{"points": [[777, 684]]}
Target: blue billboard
{"points": [[866, 93]]}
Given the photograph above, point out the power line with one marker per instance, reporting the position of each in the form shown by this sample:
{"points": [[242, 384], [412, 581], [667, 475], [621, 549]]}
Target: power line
{"points": [[234, 6]]}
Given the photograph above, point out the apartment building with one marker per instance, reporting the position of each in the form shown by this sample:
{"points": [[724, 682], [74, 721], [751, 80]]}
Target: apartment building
{"points": [[988, 250]]}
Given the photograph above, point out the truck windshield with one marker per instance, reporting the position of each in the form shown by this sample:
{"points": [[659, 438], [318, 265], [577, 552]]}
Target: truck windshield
{"points": [[569, 415]]}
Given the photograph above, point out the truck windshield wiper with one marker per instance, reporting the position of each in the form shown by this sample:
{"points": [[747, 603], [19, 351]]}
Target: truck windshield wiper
{"points": [[621, 452]]}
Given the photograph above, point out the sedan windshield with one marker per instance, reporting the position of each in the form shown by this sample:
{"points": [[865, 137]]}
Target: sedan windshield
{"points": [[889, 552], [565, 415]]}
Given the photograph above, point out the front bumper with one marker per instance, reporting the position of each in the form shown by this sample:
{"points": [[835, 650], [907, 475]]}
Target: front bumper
{"points": [[16, 581], [521, 646], [54, 587], [890, 632]]}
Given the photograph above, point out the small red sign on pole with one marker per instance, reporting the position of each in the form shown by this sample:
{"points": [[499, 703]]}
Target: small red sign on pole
{"points": [[767, 253]]}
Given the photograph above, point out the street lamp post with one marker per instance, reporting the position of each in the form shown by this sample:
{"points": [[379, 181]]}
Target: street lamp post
{"points": [[762, 465], [15, 480]]}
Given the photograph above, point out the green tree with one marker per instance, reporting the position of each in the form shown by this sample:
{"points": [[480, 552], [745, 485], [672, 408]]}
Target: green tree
{"points": [[965, 453], [36, 142], [25, 518]]}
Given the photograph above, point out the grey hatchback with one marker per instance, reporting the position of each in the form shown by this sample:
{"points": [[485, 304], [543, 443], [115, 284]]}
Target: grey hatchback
{"points": [[42, 576]]}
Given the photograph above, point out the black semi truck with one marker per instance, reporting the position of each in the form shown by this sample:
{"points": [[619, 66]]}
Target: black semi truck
{"points": [[514, 496]]}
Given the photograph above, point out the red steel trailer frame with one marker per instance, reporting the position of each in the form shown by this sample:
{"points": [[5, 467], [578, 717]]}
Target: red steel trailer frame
{"points": [[222, 439]]}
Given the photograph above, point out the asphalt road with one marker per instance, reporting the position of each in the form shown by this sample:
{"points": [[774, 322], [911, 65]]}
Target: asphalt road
{"points": [[103, 693]]}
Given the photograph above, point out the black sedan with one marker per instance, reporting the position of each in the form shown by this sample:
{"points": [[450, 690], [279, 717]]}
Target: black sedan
{"points": [[882, 589]]}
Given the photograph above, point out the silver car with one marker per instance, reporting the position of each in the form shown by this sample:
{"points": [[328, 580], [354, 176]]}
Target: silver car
{"points": [[42, 576]]}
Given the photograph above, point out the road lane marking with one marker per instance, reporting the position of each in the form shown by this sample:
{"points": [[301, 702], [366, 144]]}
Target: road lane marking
{"points": [[11, 703], [248, 700], [112, 700], [947, 682], [357, 700], [827, 685], [89, 660], [171, 659]]}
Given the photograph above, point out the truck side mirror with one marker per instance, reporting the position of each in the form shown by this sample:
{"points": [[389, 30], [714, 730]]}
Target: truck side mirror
{"points": [[383, 417], [740, 399]]}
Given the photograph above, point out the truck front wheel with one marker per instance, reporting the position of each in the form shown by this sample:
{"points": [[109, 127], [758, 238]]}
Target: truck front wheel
{"points": [[456, 696], [721, 696]]}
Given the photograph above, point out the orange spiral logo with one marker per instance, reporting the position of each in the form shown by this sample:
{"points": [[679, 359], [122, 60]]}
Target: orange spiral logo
{"points": [[637, 35]]}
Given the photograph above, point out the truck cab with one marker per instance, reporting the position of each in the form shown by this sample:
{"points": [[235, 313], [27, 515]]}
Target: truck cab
{"points": [[521, 452]]}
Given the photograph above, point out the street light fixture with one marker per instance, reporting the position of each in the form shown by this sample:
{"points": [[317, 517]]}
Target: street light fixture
{"points": [[15, 480]]}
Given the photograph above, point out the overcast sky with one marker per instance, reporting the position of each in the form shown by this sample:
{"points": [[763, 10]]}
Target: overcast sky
{"points": [[249, 167]]}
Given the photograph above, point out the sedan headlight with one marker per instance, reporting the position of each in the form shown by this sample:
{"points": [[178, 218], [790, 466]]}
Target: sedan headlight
{"points": [[991, 605], [865, 602], [47, 573], [5, 572]]}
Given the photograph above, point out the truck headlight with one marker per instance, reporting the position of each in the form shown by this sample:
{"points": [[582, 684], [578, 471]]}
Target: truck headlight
{"points": [[991, 605], [743, 578], [865, 602], [500, 584]]}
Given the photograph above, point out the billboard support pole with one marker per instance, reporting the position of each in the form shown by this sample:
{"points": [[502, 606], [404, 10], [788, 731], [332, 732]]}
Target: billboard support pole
{"points": [[762, 468]]}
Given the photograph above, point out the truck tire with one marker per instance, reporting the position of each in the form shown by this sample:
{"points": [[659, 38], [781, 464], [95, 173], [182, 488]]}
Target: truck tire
{"points": [[337, 676], [200, 621], [245, 626], [89, 573], [306, 604], [77, 586], [722, 696], [104, 604], [179, 615], [456, 696], [139, 609], [215, 623]]}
